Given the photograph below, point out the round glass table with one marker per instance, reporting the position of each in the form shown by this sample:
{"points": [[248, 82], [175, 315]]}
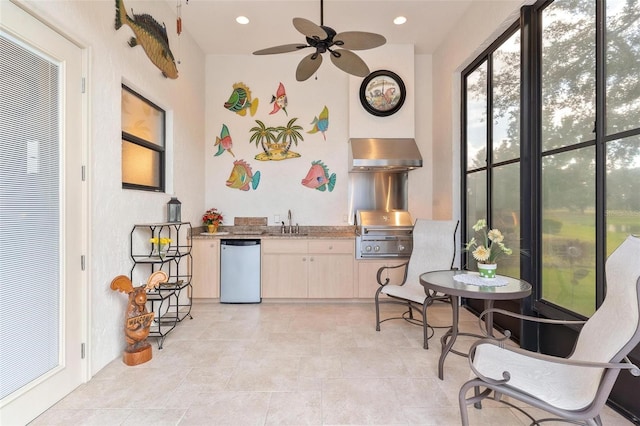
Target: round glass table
{"points": [[452, 283]]}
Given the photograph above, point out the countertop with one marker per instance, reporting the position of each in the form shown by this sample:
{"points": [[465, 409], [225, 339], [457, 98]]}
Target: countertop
{"points": [[275, 232]]}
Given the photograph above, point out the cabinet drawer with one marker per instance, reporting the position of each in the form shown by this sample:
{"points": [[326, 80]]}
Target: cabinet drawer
{"points": [[332, 246], [284, 246]]}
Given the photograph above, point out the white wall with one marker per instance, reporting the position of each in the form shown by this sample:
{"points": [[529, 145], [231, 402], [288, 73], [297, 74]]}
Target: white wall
{"points": [[195, 101], [482, 24], [113, 210], [280, 187]]}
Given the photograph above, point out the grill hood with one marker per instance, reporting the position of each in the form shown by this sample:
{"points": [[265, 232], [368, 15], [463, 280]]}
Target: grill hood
{"points": [[383, 154]]}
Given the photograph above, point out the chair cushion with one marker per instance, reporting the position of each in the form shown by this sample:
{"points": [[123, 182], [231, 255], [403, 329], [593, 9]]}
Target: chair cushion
{"points": [[408, 291], [563, 386]]}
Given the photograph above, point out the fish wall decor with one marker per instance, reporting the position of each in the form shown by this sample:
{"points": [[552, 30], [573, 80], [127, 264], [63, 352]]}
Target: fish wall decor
{"points": [[242, 177], [151, 36], [321, 123], [279, 100], [240, 100], [318, 177], [224, 142]]}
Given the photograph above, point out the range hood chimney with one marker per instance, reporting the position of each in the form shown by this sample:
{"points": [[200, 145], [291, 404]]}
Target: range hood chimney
{"points": [[383, 154]]}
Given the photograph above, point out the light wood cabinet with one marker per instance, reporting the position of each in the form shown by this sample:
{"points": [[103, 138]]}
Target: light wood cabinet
{"points": [[368, 270], [300, 268], [284, 268], [205, 268], [331, 269]]}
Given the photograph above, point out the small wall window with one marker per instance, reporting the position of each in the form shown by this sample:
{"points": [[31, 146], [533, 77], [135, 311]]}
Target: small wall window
{"points": [[143, 143]]}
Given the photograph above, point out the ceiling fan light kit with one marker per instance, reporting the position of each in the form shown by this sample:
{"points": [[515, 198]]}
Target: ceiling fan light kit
{"points": [[325, 39]]}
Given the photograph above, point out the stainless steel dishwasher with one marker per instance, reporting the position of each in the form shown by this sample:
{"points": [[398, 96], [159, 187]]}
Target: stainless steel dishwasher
{"points": [[240, 271]]}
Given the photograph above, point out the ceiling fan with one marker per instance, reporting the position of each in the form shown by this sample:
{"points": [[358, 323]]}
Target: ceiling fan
{"points": [[325, 39]]}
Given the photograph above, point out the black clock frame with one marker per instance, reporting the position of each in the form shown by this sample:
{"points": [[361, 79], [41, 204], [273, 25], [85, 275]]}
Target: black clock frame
{"points": [[370, 108]]}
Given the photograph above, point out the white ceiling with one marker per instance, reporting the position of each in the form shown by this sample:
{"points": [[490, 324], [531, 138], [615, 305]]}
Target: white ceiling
{"points": [[212, 22]]}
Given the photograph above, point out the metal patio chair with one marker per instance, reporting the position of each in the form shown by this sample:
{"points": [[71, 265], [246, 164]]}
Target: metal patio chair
{"points": [[434, 248], [575, 388]]}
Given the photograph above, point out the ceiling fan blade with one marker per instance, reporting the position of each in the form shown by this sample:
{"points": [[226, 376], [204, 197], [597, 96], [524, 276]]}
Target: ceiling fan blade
{"points": [[308, 65], [309, 29], [359, 40], [349, 62], [280, 49]]}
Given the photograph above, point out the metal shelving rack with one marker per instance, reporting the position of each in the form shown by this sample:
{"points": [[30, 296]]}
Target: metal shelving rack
{"points": [[171, 301]]}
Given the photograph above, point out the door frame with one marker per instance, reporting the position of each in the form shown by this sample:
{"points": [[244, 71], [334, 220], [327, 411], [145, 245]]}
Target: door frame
{"points": [[84, 204]]}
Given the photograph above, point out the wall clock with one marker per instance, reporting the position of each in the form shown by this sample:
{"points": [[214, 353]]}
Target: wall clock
{"points": [[382, 93]]}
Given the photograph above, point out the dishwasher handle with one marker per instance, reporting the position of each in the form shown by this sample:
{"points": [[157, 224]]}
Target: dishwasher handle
{"points": [[240, 242]]}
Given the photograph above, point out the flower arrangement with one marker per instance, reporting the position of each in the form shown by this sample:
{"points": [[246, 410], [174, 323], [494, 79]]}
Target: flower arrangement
{"points": [[161, 243], [212, 217], [489, 246]]}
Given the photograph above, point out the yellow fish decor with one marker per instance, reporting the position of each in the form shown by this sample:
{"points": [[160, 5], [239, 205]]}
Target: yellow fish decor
{"points": [[240, 100], [151, 36], [279, 100], [224, 142], [318, 177], [242, 177], [276, 141], [321, 123]]}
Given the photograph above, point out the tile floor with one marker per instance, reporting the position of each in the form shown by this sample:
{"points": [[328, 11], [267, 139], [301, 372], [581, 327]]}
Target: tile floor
{"points": [[287, 364]]}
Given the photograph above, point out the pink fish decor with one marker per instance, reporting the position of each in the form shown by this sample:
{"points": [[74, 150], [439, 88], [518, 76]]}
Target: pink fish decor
{"points": [[242, 177], [224, 142], [318, 177], [279, 100]]}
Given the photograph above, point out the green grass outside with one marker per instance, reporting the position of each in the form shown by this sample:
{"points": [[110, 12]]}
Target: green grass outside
{"points": [[568, 271]]}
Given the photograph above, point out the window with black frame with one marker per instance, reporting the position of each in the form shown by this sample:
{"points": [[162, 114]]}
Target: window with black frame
{"points": [[143, 143], [578, 169], [492, 148]]}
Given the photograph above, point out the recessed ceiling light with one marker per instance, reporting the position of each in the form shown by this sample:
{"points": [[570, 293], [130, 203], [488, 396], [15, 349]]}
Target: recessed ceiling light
{"points": [[400, 20], [242, 20]]}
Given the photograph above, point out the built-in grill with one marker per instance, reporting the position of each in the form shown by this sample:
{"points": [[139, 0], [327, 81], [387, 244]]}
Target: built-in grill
{"points": [[383, 234]]}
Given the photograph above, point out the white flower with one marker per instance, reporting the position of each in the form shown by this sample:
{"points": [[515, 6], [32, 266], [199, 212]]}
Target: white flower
{"points": [[496, 236], [481, 254], [479, 225]]}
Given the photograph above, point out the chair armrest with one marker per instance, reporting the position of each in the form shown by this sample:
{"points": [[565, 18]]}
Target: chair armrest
{"points": [[507, 333], [386, 281], [627, 365]]}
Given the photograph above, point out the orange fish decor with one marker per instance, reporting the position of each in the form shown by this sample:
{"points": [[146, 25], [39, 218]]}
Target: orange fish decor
{"points": [[224, 142], [151, 36], [318, 177], [321, 123], [240, 100], [279, 100], [242, 177]]}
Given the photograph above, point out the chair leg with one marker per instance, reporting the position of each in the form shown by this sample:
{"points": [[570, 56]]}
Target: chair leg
{"points": [[377, 309], [462, 402], [425, 328], [410, 310]]}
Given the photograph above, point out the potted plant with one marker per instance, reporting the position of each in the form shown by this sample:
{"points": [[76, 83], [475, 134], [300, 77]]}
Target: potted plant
{"points": [[160, 246], [487, 248], [212, 218]]}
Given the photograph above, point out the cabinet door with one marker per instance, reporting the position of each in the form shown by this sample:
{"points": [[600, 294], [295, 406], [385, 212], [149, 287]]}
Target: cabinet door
{"points": [[284, 275], [368, 270], [205, 268], [331, 276]]}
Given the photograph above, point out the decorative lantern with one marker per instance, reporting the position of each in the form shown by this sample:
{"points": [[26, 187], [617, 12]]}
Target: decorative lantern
{"points": [[173, 210]]}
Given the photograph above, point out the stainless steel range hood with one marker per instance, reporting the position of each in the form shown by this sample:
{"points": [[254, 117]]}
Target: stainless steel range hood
{"points": [[383, 154]]}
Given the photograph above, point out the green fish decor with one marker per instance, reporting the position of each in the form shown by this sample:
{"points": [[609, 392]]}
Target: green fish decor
{"points": [[240, 100], [151, 36]]}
